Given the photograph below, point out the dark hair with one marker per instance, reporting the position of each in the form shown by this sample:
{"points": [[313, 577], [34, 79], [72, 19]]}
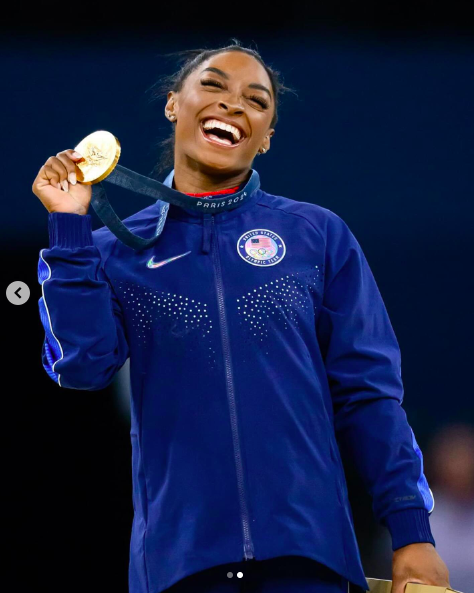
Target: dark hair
{"points": [[190, 60]]}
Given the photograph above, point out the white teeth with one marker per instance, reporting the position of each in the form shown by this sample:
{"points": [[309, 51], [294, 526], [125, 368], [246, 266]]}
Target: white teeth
{"points": [[225, 141], [215, 123]]}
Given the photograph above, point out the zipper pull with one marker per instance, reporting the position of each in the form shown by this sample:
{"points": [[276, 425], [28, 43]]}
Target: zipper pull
{"points": [[206, 232]]}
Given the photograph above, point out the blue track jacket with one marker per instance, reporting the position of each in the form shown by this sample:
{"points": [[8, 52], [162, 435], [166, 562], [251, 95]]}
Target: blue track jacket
{"points": [[261, 353]]}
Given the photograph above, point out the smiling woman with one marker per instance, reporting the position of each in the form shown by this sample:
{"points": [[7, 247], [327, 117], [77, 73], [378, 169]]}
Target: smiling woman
{"points": [[261, 354], [220, 100]]}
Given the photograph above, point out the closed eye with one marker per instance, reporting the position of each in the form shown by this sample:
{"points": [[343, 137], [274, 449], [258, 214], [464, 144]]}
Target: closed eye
{"points": [[260, 100], [256, 98], [212, 82]]}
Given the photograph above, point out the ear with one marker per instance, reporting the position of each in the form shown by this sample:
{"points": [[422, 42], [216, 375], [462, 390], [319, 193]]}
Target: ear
{"points": [[171, 111], [266, 140]]}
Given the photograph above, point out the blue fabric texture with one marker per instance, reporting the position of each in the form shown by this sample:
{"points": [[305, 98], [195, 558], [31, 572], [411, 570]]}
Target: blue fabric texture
{"points": [[261, 357]]}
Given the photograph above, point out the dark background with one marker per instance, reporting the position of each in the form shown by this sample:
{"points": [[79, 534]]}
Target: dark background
{"points": [[380, 132]]}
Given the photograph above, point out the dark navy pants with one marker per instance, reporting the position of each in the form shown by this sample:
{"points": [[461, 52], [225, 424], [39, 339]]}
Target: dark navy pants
{"points": [[283, 574]]}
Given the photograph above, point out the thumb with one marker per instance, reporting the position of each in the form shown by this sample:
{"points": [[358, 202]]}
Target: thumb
{"points": [[398, 585], [75, 156]]}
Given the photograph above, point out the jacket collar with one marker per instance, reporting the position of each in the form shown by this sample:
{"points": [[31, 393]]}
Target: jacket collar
{"points": [[197, 209]]}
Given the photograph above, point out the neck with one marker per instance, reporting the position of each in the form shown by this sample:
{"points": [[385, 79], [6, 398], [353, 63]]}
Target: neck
{"points": [[190, 181]]}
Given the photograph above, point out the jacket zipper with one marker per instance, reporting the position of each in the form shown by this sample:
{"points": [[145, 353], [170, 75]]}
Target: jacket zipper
{"points": [[248, 545]]}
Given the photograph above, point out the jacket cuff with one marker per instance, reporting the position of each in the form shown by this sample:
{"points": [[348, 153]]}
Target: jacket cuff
{"points": [[69, 230], [409, 526]]}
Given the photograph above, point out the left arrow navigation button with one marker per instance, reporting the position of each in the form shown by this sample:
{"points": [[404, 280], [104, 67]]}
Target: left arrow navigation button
{"points": [[18, 293]]}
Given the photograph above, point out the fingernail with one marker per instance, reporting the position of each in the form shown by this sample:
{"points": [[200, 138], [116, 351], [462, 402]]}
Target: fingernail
{"points": [[72, 177], [65, 185], [58, 185], [76, 155]]}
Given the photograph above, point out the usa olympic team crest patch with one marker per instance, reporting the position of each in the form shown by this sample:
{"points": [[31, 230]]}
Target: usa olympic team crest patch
{"points": [[261, 247]]}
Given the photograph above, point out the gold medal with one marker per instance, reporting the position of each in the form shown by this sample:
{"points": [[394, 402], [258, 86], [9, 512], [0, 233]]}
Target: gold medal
{"points": [[101, 151]]}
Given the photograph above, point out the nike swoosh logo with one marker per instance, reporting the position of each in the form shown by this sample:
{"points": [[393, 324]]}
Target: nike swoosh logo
{"points": [[152, 264]]}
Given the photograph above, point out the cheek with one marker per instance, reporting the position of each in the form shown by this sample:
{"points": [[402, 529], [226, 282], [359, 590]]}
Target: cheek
{"points": [[184, 130], [260, 127], [187, 127]]}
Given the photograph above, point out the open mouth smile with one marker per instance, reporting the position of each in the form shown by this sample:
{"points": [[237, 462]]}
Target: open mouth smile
{"points": [[223, 134]]}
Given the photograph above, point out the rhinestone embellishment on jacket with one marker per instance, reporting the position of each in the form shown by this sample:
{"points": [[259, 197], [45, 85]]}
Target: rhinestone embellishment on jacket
{"points": [[170, 315], [279, 303]]}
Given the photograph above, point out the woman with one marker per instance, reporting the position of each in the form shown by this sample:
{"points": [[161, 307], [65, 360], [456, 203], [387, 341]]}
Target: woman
{"points": [[259, 345]]}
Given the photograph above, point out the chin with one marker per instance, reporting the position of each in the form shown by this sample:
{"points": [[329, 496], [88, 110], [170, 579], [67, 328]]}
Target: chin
{"points": [[217, 164]]}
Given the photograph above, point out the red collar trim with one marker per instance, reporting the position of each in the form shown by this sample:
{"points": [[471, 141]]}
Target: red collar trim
{"points": [[230, 190]]}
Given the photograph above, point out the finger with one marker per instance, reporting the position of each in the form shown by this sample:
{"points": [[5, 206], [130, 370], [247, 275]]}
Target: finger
{"points": [[66, 159], [61, 169], [72, 154], [52, 175], [74, 157]]}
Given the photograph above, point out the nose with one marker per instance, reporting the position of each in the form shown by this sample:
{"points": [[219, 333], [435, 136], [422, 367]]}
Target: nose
{"points": [[231, 106]]}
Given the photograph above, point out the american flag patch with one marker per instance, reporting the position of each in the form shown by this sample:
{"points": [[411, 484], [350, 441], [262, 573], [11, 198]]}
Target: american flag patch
{"points": [[264, 242]]}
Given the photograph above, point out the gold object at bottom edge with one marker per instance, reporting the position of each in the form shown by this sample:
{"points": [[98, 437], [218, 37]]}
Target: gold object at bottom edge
{"points": [[381, 586]]}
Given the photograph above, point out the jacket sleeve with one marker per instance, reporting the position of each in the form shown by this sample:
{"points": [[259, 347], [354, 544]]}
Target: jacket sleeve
{"points": [[85, 342], [363, 365]]}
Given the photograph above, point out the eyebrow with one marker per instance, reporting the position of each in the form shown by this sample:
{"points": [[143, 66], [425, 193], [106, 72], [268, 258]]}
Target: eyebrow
{"points": [[254, 85], [217, 71]]}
